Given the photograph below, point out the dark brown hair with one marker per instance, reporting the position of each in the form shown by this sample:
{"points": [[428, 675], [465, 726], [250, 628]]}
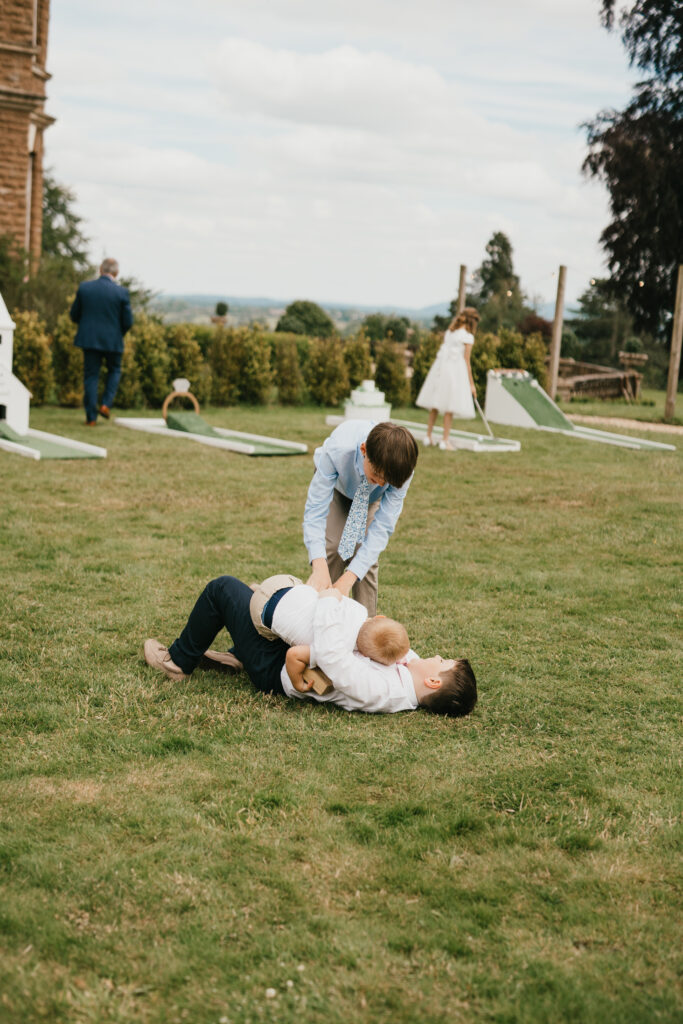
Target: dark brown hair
{"points": [[457, 694], [393, 452]]}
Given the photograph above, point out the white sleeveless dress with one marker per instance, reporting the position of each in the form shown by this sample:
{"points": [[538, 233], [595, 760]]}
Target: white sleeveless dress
{"points": [[447, 385]]}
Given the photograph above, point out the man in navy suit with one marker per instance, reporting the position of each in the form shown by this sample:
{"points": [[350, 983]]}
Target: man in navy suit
{"points": [[103, 314]]}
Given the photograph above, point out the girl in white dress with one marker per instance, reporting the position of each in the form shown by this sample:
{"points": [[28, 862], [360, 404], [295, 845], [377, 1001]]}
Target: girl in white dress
{"points": [[448, 387]]}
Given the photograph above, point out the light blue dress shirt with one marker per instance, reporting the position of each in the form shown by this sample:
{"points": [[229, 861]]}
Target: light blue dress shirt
{"points": [[339, 464]]}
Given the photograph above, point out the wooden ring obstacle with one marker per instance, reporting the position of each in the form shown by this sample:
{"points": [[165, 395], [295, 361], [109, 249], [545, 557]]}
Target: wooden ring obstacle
{"points": [[179, 394]]}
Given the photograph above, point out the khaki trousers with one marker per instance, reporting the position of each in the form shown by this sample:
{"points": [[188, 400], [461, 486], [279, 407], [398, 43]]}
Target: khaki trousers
{"points": [[364, 591]]}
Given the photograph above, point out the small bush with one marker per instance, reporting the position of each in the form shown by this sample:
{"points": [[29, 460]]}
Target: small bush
{"points": [[326, 375], [186, 359], [390, 373], [129, 394], [425, 354], [224, 363], [32, 356], [67, 363], [287, 371], [256, 374], [204, 335], [484, 357], [358, 359], [515, 351], [152, 359]]}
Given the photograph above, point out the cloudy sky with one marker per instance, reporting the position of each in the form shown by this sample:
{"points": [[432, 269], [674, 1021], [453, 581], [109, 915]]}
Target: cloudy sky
{"points": [[347, 151]]}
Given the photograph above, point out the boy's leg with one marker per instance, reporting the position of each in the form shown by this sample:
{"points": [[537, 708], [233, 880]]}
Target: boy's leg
{"points": [[224, 602], [365, 590], [336, 521]]}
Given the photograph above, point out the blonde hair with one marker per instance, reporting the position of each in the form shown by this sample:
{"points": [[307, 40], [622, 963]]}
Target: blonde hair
{"points": [[467, 318], [383, 640]]}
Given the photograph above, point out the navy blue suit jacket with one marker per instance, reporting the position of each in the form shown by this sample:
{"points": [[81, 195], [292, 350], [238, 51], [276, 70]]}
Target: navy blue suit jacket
{"points": [[103, 314]]}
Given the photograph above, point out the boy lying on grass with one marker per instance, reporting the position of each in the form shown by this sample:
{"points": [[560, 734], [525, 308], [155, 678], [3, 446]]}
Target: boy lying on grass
{"points": [[443, 686]]}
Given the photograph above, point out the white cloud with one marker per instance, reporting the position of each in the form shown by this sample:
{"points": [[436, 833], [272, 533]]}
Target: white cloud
{"points": [[343, 86], [269, 146]]}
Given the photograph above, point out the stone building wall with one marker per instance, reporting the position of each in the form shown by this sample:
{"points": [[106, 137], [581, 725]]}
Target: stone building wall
{"points": [[23, 54]]}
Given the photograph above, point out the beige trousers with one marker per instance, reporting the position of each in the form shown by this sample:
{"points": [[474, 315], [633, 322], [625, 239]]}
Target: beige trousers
{"points": [[364, 591]]}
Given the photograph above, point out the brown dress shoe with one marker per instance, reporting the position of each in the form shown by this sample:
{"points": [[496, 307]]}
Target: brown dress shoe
{"points": [[91, 423], [220, 661], [104, 411], [158, 657]]}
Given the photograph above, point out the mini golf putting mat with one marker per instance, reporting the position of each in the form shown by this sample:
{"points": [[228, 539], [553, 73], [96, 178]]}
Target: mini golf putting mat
{"points": [[48, 446], [539, 405], [192, 427], [517, 399], [190, 422]]}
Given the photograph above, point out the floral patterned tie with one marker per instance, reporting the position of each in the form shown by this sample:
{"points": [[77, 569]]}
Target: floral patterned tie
{"points": [[354, 530]]}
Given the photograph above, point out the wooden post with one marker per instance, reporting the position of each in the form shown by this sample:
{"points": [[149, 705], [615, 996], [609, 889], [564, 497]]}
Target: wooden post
{"points": [[675, 357], [556, 339], [462, 288]]}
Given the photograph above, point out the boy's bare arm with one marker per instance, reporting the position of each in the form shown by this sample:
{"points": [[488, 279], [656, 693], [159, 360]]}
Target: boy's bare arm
{"points": [[296, 661], [320, 577], [345, 583]]}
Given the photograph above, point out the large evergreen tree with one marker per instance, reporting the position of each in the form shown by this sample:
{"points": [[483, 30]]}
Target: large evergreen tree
{"points": [[496, 275], [62, 236], [497, 293], [638, 153]]}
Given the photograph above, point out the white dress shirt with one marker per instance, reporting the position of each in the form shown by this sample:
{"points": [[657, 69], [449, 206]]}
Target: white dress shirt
{"points": [[339, 464], [294, 614], [359, 683]]}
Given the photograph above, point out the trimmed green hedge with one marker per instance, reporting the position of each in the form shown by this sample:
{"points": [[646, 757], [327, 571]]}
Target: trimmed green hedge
{"points": [[228, 365]]}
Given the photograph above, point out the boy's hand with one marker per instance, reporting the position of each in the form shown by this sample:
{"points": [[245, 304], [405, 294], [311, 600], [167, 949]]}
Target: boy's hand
{"points": [[320, 577], [345, 582]]}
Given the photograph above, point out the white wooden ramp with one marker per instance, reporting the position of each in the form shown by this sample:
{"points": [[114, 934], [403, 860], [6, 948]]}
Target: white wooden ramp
{"points": [[197, 430], [515, 399], [461, 439]]}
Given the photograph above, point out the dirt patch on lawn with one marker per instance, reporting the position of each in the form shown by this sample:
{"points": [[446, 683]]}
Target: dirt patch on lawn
{"points": [[621, 423]]}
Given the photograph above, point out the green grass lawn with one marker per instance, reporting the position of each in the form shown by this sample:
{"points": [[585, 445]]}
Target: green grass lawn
{"points": [[649, 407], [198, 852]]}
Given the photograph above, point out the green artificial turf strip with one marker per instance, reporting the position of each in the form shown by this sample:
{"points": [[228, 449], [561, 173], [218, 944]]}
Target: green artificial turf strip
{"points": [[536, 402]]}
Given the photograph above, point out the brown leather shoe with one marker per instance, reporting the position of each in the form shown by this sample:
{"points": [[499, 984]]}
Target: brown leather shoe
{"points": [[91, 423], [220, 661], [104, 411], [158, 657]]}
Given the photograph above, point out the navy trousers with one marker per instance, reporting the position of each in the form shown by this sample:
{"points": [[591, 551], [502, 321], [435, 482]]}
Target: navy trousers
{"points": [[224, 603], [92, 361]]}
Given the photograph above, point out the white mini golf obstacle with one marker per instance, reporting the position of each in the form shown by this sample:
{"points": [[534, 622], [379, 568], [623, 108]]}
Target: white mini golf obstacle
{"points": [[515, 399], [15, 434], [367, 403], [190, 426]]}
